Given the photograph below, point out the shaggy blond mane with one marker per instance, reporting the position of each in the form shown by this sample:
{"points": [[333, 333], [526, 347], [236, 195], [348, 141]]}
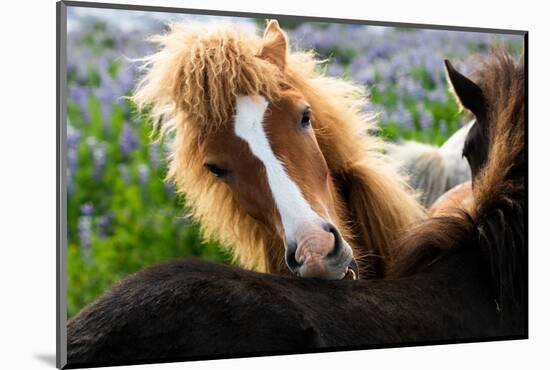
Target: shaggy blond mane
{"points": [[190, 86], [199, 71]]}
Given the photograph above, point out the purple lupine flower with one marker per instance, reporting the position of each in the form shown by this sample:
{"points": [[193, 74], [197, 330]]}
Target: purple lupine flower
{"points": [[85, 232], [125, 78], [335, 69], [127, 140], [437, 96], [107, 96], [86, 209], [383, 116], [143, 174], [125, 82], [360, 69], [380, 51], [424, 118], [80, 96], [73, 136], [368, 108], [154, 154], [402, 117], [72, 159], [99, 155], [103, 224], [72, 66], [389, 71], [411, 87], [103, 65]]}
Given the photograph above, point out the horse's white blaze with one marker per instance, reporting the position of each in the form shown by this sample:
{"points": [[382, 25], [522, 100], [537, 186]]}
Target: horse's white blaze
{"points": [[291, 204]]}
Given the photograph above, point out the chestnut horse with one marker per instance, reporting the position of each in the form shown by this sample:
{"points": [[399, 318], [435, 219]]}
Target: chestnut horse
{"points": [[273, 158], [464, 277]]}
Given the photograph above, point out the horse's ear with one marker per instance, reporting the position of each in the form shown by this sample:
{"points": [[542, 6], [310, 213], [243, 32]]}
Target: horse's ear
{"points": [[469, 95], [274, 45]]}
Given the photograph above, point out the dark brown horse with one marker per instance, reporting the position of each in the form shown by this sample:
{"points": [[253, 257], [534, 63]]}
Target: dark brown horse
{"points": [[464, 277]]}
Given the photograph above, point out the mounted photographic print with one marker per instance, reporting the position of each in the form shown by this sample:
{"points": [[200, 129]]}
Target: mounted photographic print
{"points": [[236, 185]]}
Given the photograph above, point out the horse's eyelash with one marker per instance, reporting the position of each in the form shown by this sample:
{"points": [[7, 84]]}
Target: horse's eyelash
{"points": [[216, 170]]}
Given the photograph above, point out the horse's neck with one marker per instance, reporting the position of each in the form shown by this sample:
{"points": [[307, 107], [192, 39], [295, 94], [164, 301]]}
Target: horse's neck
{"points": [[501, 227]]}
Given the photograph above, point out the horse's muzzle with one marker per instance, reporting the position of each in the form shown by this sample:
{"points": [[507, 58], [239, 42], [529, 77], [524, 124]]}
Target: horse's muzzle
{"points": [[320, 252]]}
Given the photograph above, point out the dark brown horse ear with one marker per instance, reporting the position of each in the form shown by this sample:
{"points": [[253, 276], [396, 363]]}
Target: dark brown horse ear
{"points": [[274, 45], [468, 94]]}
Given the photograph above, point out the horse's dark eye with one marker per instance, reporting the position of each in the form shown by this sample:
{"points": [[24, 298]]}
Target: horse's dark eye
{"points": [[216, 170], [306, 119]]}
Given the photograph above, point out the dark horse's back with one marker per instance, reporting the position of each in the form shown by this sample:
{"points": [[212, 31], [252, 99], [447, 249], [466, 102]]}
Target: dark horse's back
{"points": [[190, 309]]}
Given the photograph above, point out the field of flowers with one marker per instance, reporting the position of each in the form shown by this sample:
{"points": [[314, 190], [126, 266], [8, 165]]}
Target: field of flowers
{"points": [[122, 216]]}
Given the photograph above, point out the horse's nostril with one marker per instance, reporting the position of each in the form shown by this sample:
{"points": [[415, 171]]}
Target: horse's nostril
{"points": [[290, 256], [337, 239], [328, 227]]}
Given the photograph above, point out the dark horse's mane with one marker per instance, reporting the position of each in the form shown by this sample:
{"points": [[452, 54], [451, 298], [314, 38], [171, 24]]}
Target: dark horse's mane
{"points": [[496, 225], [463, 278]]}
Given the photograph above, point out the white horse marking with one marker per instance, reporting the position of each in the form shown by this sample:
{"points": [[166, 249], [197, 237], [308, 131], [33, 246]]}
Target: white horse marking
{"points": [[293, 208]]}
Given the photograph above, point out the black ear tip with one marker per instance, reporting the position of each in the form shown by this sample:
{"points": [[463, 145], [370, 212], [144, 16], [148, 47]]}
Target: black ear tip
{"points": [[448, 65]]}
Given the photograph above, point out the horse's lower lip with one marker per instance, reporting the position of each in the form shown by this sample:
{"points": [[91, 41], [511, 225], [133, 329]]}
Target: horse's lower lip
{"points": [[353, 272]]}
